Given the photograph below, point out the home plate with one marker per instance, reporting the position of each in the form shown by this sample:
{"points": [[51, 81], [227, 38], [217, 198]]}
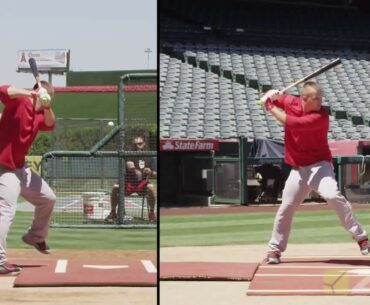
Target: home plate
{"points": [[104, 267], [359, 271], [86, 273], [316, 276]]}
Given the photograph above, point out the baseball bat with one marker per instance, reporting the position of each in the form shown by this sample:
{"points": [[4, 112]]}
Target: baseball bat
{"points": [[313, 74], [35, 71]]}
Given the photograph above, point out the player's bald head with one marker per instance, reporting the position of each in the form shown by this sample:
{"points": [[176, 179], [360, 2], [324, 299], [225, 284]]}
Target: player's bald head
{"points": [[311, 88], [312, 96]]}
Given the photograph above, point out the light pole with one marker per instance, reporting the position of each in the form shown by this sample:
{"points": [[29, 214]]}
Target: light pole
{"points": [[148, 51]]}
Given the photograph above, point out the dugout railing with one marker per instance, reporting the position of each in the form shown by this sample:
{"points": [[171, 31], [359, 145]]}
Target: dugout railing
{"points": [[83, 180]]}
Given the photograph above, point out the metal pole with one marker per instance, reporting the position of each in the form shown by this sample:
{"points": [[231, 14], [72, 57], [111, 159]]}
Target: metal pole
{"points": [[340, 174], [213, 176], [241, 171], [50, 77], [148, 51], [121, 148], [101, 135]]}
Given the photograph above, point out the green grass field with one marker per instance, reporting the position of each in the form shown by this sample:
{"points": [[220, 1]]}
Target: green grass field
{"points": [[103, 78], [104, 105], [85, 105], [112, 239], [141, 106], [253, 228]]}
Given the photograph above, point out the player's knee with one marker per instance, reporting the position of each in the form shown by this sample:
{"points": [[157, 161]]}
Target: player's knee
{"points": [[285, 209], [151, 189], [330, 194], [288, 201], [51, 199]]}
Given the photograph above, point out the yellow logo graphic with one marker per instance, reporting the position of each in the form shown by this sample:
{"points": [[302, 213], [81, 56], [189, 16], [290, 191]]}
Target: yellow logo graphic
{"points": [[34, 162], [336, 281]]}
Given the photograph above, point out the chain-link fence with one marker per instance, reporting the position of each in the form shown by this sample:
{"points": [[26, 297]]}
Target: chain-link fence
{"points": [[87, 189], [82, 134], [104, 172]]}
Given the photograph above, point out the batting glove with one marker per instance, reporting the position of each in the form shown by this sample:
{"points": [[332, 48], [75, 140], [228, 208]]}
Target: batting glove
{"points": [[44, 97], [267, 100], [271, 94]]}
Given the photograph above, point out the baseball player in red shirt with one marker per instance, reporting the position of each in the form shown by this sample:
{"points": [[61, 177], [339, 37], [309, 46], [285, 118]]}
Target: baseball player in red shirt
{"points": [[25, 113], [307, 151]]}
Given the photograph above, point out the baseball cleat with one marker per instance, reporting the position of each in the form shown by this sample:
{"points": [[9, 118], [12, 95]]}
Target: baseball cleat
{"points": [[39, 246], [273, 258], [112, 217], [9, 269], [364, 246]]}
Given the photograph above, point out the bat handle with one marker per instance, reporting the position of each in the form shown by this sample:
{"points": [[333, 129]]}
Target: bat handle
{"points": [[282, 91], [264, 98]]}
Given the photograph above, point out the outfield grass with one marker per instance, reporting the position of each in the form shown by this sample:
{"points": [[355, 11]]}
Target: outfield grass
{"points": [[112, 239], [103, 78], [138, 106], [253, 228], [105, 105]]}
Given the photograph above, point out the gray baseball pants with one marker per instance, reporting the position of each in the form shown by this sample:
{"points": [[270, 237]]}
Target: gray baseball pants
{"points": [[319, 177], [35, 190]]}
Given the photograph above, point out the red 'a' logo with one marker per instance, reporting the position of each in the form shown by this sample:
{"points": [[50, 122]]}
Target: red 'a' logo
{"points": [[23, 58]]}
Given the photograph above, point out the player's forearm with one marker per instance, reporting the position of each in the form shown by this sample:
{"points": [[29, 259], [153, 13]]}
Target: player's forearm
{"points": [[16, 92], [49, 117], [279, 115]]}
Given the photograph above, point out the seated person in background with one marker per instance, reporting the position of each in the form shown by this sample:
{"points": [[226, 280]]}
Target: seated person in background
{"points": [[138, 172], [272, 182]]}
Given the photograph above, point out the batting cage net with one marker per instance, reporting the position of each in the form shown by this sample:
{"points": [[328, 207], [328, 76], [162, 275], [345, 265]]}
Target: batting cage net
{"points": [[114, 184]]}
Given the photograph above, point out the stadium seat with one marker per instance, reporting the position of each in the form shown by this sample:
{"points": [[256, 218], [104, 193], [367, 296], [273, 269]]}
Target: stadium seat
{"points": [[249, 70]]}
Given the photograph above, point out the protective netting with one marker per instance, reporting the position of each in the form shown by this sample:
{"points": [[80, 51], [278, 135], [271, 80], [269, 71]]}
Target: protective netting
{"points": [[85, 187], [114, 182]]}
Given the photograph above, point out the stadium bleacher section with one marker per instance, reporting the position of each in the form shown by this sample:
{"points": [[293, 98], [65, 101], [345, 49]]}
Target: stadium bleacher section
{"points": [[196, 103], [210, 89]]}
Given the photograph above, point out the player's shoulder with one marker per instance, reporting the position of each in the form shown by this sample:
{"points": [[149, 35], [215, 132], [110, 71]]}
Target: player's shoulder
{"points": [[292, 104], [4, 89], [292, 100]]}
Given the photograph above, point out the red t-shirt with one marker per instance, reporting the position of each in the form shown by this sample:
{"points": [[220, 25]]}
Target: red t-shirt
{"points": [[19, 125], [306, 134]]}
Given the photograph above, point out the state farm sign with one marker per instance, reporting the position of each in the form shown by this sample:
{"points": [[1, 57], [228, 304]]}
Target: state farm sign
{"points": [[188, 145]]}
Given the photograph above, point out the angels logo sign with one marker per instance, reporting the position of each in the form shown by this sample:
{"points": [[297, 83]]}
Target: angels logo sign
{"points": [[189, 145]]}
